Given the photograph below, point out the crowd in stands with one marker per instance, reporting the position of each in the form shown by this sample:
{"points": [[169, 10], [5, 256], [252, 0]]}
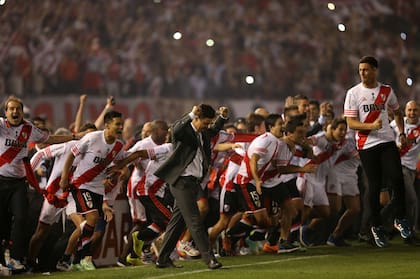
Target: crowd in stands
{"points": [[126, 48]]}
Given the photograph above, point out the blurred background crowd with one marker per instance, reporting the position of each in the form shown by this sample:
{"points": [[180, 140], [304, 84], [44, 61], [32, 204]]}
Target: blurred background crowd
{"points": [[131, 48]]}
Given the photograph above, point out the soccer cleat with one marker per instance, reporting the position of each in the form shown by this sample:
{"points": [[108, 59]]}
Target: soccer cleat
{"points": [[15, 265], [301, 247], [379, 237], [304, 236], [63, 266], [286, 247], [76, 267], [402, 226], [122, 263], [186, 250], [243, 251], [147, 257], [271, 249], [337, 241], [87, 265], [137, 243], [133, 261]]}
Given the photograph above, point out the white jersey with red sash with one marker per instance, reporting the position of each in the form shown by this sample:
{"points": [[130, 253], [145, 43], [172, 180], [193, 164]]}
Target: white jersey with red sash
{"points": [[135, 184], [154, 185], [59, 153], [410, 153], [95, 156], [267, 146], [368, 104], [221, 162], [13, 146]]}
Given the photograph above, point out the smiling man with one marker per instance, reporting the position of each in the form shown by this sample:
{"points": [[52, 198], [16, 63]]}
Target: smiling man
{"points": [[15, 134], [93, 154]]}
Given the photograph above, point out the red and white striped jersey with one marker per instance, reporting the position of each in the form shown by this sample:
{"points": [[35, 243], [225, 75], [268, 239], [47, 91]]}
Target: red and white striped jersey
{"points": [[93, 152], [326, 153], [153, 184], [136, 182], [368, 104], [59, 152], [272, 153], [410, 153], [14, 146]]}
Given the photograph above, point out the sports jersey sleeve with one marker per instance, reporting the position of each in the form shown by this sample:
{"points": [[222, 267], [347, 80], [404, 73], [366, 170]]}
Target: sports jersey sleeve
{"points": [[259, 147], [350, 105], [159, 152], [81, 146], [37, 135], [393, 101], [48, 152]]}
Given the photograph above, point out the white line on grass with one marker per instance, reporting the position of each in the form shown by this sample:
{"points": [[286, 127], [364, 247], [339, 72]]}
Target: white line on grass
{"points": [[236, 266]]}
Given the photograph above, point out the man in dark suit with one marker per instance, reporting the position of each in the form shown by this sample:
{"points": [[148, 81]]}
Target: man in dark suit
{"points": [[183, 171]]}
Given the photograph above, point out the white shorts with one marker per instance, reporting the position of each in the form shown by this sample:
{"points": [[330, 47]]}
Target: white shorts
{"points": [[343, 184], [51, 214], [137, 211], [312, 191]]}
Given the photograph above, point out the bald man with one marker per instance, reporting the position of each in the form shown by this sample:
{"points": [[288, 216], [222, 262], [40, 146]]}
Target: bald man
{"points": [[409, 157]]}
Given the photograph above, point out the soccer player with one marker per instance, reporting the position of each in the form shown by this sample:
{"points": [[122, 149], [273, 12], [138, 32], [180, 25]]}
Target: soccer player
{"points": [[366, 110]]}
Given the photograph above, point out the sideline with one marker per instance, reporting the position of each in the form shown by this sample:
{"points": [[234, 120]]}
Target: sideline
{"points": [[235, 266]]}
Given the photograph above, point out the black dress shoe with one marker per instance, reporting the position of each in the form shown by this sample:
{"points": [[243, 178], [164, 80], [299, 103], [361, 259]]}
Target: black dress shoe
{"points": [[169, 264], [214, 264]]}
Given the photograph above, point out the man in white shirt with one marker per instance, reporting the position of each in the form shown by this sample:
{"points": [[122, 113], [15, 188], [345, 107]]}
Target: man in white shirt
{"points": [[366, 110]]}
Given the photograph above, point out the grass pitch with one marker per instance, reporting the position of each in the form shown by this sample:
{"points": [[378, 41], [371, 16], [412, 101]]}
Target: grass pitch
{"points": [[359, 261]]}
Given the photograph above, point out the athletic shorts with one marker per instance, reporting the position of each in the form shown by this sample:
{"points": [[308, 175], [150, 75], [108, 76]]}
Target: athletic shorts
{"points": [[87, 201]]}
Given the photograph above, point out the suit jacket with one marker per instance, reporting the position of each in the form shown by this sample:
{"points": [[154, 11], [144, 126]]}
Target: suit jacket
{"points": [[185, 145]]}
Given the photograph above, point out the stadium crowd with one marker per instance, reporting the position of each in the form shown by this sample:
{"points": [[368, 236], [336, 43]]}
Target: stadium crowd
{"points": [[126, 48]]}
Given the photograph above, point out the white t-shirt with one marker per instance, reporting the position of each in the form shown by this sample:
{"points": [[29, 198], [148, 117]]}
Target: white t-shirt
{"points": [[367, 104]]}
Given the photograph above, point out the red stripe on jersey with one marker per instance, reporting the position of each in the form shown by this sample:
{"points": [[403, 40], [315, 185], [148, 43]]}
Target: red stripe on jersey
{"points": [[90, 174], [13, 151], [411, 139], [382, 97]]}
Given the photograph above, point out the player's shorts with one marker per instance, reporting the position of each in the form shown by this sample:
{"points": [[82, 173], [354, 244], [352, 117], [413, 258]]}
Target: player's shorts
{"points": [[343, 184], [313, 192], [137, 211], [229, 203], [249, 199], [87, 201]]}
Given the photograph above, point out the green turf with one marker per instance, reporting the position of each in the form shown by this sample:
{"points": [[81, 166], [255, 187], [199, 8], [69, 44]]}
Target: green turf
{"points": [[359, 261]]}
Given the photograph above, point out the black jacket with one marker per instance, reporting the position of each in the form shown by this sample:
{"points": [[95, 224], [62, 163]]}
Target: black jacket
{"points": [[185, 145]]}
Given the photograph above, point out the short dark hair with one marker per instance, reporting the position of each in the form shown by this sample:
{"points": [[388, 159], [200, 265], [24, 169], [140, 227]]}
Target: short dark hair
{"points": [[252, 120], [369, 60], [293, 123], [314, 102], [338, 121], [111, 115], [206, 111], [88, 126], [271, 120], [299, 97]]}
